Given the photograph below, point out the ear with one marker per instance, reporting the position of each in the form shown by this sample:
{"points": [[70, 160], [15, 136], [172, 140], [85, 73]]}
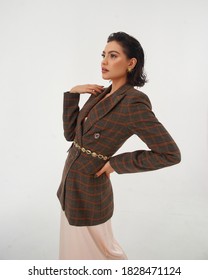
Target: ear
{"points": [[132, 63]]}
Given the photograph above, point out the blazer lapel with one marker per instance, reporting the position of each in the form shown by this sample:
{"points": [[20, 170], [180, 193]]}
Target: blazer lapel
{"points": [[85, 111], [98, 110], [87, 107]]}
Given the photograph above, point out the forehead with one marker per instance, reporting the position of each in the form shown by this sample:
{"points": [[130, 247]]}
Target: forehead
{"points": [[113, 46]]}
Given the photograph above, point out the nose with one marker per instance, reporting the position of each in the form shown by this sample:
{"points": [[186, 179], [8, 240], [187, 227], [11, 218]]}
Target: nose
{"points": [[104, 61]]}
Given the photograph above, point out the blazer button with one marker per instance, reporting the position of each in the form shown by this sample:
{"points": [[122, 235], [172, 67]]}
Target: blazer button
{"points": [[96, 135]]}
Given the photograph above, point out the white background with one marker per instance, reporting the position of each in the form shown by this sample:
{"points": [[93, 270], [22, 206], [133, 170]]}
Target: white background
{"points": [[47, 47]]}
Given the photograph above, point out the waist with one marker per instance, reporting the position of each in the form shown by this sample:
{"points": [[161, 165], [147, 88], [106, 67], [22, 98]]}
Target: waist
{"points": [[89, 152]]}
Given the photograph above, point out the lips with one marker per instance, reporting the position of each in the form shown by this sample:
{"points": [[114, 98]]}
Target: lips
{"points": [[104, 70]]}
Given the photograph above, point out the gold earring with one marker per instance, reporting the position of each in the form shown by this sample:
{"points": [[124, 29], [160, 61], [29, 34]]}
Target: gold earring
{"points": [[129, 70]]}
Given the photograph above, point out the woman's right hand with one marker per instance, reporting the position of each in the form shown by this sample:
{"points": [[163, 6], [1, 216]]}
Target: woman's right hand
{"points": [[89, 88]]}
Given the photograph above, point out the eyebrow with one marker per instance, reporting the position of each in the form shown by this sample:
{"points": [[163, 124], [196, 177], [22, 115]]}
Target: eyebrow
{"points": [[111, 52]]}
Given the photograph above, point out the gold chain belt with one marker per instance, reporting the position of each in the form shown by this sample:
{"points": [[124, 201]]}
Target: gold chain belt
{"points": [[93, 154]]}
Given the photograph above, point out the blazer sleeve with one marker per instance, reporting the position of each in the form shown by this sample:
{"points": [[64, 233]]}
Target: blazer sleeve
{"points": [[70, 114], [163, 150]]}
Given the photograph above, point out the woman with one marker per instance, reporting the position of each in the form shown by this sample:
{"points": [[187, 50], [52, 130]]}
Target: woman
{"points": [[108, 118]]}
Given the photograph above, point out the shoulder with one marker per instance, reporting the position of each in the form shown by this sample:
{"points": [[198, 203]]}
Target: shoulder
{"points": [[137, 97]]}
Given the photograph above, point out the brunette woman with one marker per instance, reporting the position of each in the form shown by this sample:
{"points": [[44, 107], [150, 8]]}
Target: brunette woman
{"points": [[109, 117]]}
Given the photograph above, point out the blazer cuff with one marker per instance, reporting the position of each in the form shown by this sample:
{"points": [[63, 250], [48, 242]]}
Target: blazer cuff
{"points": [[113, 162], [71, 93]]}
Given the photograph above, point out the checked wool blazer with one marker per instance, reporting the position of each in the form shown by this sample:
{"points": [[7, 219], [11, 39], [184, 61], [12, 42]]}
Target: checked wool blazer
{"points": [[88, 200]]}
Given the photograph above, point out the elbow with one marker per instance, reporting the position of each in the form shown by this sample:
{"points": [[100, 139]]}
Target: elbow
{"points": [[179, 157], [174, 158], [69, 131], [69, 136]]}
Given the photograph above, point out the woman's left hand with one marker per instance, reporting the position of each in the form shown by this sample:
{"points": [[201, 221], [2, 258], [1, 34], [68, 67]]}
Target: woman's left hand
{"points": [[106, 168]]}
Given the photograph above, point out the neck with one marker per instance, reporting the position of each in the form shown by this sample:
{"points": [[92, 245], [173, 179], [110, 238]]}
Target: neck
{"points": [[117, 84]]}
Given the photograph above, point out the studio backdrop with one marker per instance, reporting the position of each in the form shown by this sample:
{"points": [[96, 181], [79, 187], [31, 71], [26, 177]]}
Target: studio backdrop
{"points": [[46, 48]]}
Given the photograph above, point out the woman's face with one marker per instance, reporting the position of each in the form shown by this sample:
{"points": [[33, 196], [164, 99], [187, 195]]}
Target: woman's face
{"points": [[115, 62]]}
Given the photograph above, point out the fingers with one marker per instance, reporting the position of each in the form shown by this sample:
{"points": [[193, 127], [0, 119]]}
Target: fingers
{"points": [[108, 175], [94, 89], [105, 169], [100, 172], [89, 88]]}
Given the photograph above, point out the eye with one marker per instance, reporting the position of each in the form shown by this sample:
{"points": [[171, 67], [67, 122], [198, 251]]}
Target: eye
{"points": [[103, 55], [113, 55]]}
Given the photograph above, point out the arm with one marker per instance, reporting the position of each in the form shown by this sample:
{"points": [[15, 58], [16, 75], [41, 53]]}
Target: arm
{"points": [[71, 108], [163, 150], [70, 114]]}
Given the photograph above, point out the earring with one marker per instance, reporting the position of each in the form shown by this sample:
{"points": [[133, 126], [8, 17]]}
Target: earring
{"points": [[129, 70]]}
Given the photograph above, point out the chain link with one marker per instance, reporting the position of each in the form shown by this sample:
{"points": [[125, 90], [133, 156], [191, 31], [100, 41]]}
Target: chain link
{"points": [[93, 154]]}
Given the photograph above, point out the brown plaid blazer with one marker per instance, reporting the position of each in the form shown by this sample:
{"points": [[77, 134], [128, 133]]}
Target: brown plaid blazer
{"points": [[85, 199]]}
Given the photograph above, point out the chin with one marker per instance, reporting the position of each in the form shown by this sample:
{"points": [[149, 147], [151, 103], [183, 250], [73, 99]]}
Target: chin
{"points": [[105, 77]]}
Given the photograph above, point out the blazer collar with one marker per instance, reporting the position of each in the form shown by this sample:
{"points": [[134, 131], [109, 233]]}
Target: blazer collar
{"points": [[97, 110]]}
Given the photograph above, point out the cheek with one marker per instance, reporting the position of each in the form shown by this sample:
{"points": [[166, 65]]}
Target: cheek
{"points": [[120, 67]]}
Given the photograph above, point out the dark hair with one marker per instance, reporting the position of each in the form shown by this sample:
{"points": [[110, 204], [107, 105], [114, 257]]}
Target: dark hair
{"points": [[132, 48]]}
